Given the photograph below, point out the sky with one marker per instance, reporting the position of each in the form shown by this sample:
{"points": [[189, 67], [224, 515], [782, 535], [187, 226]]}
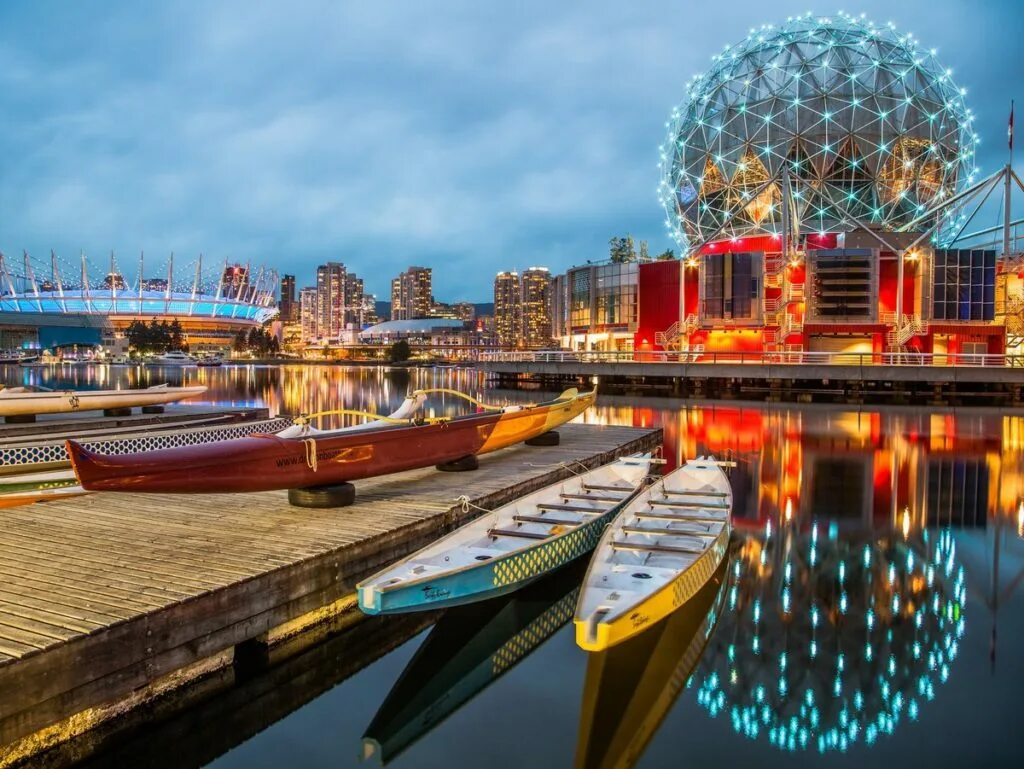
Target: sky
{"points": [[466, 136]]}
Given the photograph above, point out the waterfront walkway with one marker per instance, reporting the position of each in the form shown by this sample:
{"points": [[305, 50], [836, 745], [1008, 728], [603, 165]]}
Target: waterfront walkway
{"points": [[850, 377], [104, 594]]}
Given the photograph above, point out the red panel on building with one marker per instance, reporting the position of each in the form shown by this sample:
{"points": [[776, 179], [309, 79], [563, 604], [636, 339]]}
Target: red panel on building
{"points": [[658, 297]]}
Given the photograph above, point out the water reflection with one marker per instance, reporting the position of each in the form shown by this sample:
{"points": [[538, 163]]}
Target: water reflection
{"points": [[469, 649], [631, 687], [829, 640]]}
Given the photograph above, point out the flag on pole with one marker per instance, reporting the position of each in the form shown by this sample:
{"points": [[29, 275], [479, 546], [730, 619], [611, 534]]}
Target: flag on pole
{"points": [[1009, 130]]}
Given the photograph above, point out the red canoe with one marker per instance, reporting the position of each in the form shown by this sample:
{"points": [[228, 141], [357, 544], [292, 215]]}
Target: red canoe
{"points": [[269, 462]]}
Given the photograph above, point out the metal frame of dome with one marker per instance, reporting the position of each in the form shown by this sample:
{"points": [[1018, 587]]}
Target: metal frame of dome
{"points": [[855, 123]]}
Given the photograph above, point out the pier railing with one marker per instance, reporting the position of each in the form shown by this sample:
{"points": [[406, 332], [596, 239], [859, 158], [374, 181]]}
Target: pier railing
{"points": [[760, 358]]}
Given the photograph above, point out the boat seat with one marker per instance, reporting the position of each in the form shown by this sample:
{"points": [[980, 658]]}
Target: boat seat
{"points": [[545, 519], [620, 545], [669, 532], [681, 518], [521, 534], [690, 505], [691, 493], [599, 487], [591, 497], [571, 508]]}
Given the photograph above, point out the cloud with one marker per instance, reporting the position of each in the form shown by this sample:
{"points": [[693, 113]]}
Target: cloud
{"points": [[470, 137]]}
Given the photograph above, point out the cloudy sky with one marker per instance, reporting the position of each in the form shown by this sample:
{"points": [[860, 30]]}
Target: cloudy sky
{"points": [[463, 135]]}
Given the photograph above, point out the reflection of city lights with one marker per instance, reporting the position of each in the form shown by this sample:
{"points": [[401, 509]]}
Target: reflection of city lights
{"points": [[1020, 519], [906, 522], [789, 509]]}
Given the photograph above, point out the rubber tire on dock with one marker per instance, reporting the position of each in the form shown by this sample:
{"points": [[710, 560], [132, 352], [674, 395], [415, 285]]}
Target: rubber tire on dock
{"points": [[462, 465], [122, 412], [550, 438], [340, 495], [152, 409]]}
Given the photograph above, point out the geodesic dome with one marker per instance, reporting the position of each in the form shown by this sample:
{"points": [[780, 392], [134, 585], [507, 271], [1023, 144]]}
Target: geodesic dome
{"points": [[868, 124]]}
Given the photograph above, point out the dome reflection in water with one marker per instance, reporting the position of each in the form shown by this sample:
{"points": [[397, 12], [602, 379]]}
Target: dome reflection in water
{"points": [[827, 641]]}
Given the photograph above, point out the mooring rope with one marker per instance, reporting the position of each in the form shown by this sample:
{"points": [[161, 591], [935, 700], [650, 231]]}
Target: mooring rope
{"points": [[311, 460], [466, 505]]}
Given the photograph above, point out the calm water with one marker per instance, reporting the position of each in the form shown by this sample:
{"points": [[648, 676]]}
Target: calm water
{"points": [[871, 613]]}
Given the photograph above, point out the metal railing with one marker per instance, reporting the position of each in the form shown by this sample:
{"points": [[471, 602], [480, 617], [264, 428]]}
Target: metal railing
{"points": [[761, 358]]}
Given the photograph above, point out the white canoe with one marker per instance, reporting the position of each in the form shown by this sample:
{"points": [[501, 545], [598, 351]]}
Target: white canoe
{"points": [[656, 555], [16, 401], [509, 547]]}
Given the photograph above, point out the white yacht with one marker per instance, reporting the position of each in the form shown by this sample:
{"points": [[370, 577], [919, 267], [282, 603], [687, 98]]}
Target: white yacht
{"points": [[173, 358]]}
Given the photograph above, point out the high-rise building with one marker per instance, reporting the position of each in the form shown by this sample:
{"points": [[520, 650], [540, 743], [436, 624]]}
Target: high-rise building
{"points": [[535, 312], [308, 313], [287, 304], [507, 308], [234, 281], [330, 299], [412, 294], [464, 310]]}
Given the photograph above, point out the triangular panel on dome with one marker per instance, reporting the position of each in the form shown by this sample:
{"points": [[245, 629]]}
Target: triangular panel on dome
{"points": [[712, 179]]}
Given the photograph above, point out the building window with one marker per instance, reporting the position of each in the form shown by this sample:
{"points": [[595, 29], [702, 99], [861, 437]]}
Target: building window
{"points": [[965, 285], [730, 286], [842, 285], [579, 298]]}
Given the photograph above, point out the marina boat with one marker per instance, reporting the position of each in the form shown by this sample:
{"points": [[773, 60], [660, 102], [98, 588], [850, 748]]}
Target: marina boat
{"points": [[468, 650], [210, 361], [657, 553], [16, 401], [32, 464], [509, 547], [33, 487], [172, 358], [310, 458], [630, 688]]}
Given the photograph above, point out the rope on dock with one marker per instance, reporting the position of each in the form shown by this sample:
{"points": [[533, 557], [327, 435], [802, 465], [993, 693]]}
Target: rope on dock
{"points": [[466, 505]]}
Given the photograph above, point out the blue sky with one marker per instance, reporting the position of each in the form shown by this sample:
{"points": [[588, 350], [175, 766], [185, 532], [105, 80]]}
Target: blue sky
{"points": [[467, 136]]}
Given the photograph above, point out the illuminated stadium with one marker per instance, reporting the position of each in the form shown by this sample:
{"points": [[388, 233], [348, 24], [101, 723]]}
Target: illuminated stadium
{"points": [[52, 304]]}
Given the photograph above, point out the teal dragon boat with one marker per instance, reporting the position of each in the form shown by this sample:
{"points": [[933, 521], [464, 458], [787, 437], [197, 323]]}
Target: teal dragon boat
{"points": [[507, 548]]}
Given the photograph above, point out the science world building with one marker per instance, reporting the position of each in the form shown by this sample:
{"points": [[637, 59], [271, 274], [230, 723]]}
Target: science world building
{"points": [[52, 305], [820, 183]]}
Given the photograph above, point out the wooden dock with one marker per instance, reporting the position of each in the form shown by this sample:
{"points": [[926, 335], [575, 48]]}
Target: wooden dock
{"points": [[104, 594]]}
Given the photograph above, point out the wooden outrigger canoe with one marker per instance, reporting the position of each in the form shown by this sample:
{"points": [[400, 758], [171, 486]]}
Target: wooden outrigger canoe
{"points": [[655, 556], [20, 401], [308, 458], [507, 548], [630, 688]]}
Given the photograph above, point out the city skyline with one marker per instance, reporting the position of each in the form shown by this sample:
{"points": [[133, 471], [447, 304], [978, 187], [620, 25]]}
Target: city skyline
{"points": [[527, 139]]}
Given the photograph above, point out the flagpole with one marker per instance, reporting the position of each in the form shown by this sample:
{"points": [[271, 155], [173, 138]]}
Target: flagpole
{"points": [[1007, 213]]}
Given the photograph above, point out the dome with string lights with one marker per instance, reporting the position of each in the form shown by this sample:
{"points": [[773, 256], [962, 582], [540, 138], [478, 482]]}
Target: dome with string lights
{"points": [[861, 121]]}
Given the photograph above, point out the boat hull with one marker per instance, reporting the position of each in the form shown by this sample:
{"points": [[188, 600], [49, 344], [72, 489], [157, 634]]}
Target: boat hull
{"points": [[13, 403], [492, 578], [268, 463], [658, 605]]}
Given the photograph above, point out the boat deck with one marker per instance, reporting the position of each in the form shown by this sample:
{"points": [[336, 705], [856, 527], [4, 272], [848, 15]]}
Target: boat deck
{"points": [[105, 593]]}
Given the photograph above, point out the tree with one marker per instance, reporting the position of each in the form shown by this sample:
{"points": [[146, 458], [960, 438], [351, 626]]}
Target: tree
{"points": [[399, 351], [621, 250], [644, 255], [667, 255]]}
